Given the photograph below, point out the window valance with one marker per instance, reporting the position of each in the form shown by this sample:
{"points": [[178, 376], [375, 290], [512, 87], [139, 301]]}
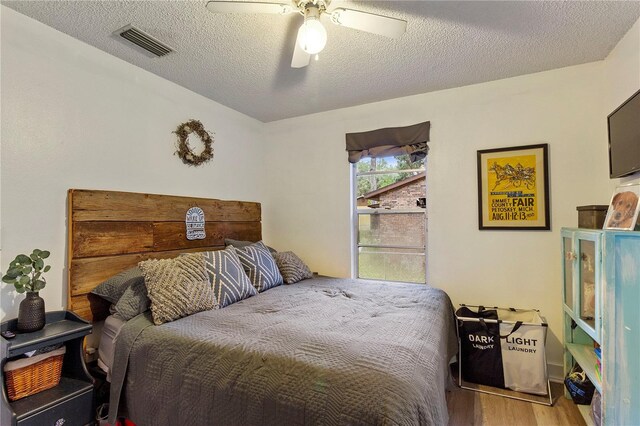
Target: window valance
{"points": [[389, 141]]}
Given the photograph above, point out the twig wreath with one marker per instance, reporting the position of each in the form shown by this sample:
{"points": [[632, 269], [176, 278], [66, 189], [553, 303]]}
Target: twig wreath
{"points": [[185, 152]]}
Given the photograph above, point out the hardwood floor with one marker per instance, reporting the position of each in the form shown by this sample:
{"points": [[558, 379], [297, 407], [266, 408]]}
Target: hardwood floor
{"points": [[474, 408]]}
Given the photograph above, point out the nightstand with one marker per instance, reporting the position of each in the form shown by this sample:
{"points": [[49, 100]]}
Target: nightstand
{"points": [[69, 403]]}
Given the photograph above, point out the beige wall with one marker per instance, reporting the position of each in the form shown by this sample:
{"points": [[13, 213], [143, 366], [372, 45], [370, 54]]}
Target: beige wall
{"points": [[73, 116], [308, 203], [76, 117], [622, 70], [622, 78]]}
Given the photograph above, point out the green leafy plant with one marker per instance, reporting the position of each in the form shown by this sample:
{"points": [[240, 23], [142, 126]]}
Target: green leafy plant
{"points": [[25, 272]]}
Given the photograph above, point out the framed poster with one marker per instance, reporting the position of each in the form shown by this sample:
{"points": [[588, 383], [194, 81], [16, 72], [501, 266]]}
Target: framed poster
{"points": [[624, 208], [513, 188]]}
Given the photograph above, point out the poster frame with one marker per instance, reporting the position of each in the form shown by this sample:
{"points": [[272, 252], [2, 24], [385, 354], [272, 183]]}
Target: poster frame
{"points": [[541, 152]]}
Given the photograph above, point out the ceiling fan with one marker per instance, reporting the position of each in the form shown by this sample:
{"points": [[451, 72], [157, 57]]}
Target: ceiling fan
{"points": [[312, 36]]}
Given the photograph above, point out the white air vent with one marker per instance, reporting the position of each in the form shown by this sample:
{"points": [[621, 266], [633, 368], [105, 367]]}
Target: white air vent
{"points": [[143, 40]]}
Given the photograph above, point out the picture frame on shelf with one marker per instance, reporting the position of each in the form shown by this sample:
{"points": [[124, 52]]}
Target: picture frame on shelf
{"points": [[513, 188], [624, 208]]}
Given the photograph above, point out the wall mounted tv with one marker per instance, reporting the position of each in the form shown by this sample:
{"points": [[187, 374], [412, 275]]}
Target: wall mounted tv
{"points": [[624, 138]]}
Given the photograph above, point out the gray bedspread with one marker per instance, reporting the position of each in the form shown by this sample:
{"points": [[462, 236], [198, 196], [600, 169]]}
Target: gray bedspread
{"points": [[324, 351]]}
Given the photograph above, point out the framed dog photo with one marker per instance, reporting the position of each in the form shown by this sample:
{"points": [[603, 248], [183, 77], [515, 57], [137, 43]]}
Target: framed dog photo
{"points": [[622, 213], [513, 188]]}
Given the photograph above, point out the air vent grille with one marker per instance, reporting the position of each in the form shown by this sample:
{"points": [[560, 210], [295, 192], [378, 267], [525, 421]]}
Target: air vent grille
{"points": [[144, 41]]}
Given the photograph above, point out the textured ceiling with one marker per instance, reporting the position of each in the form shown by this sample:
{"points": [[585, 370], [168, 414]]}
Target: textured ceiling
{"points": [[243, 61]]}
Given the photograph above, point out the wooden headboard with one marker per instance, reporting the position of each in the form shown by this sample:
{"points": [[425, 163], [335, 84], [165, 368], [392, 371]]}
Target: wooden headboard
{"points": [[109, 232]]}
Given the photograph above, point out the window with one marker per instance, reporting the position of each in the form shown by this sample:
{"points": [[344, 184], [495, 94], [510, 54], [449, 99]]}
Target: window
{"points": [[390, 219]]}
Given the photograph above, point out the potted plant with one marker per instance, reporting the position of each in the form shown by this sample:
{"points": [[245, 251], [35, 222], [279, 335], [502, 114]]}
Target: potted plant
{"points": [[25, 273]]}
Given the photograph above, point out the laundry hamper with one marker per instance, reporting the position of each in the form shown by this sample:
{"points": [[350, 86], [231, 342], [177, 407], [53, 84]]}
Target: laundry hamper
{"points": [[503, 348]]}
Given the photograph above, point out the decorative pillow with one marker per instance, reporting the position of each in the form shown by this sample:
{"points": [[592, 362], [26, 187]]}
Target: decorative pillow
{"points": [[243, 244], [134, 301], [177, 287], [113, 288], [229, 281], [292, 268], [259, 265]]}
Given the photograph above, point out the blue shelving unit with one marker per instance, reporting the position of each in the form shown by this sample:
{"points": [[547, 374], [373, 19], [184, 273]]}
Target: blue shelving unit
{"points": [[601, 304]]}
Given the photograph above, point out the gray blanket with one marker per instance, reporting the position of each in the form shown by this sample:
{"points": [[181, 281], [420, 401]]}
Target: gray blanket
{"points": [[324, 351]]}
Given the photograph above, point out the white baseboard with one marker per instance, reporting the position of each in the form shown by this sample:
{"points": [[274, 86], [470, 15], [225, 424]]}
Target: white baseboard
{"points": [[556, 372]]}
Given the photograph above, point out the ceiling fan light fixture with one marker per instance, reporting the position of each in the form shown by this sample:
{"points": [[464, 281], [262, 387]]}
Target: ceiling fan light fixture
{"points": [[312, 36]]}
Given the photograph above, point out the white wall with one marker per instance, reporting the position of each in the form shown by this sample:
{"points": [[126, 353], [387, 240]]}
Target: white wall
{"points": [[308, 199], [622, 78], [308, 203], [76, 117], [622, 69]]}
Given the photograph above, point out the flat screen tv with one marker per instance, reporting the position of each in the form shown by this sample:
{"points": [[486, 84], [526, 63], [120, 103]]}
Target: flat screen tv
{"points": [[624, 138]]}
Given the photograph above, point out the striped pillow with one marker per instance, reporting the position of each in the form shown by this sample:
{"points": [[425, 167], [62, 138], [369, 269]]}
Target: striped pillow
{"points": [[259, 266], [292, 268], [227, 276]]}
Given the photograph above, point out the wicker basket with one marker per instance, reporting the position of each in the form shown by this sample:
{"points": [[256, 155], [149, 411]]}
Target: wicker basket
{"points": [[25, 377]]}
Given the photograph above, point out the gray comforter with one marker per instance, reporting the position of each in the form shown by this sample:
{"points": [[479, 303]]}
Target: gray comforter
{"points": [[324, 351]]}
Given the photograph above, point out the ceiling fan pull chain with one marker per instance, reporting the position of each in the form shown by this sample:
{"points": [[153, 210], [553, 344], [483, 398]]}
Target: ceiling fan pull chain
{"points": [[286, 9]]}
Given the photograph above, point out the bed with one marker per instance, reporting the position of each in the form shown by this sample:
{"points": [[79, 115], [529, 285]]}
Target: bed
{"points": [[321, 351]]}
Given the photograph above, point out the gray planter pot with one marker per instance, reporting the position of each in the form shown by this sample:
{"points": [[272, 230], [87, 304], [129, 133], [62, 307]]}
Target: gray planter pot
{"points": [[31, 313]]}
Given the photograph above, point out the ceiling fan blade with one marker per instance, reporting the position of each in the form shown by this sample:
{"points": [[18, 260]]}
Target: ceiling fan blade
{"points": [[249, 7], [300, 57], [369, 22]]}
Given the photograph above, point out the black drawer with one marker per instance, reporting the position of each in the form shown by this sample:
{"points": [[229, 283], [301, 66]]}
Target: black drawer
{"points": [[77, 411]]}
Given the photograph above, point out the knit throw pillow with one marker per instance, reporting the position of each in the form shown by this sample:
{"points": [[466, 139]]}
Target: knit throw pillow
{"points": [[230, 282], [259, 265], [113, 288], [292, 268], [134, 301], [177, 287]]}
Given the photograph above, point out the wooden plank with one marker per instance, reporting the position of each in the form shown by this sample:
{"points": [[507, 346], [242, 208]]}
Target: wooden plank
{"points": [[92, 239], [474, 408], [564, 412], [171, 235], [90, 205], [90, 307], [111, 238], [109, 232], [502, 411], [462, 407], [69, 244], [86, 274]]}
